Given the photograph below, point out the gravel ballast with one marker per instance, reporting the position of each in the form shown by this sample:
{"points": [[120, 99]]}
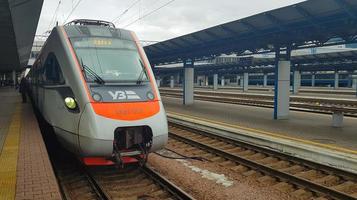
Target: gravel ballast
{"points": [[208, 180]]}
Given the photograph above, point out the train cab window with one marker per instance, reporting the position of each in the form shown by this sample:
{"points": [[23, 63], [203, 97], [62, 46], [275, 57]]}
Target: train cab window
{"points": [[52, 71]]}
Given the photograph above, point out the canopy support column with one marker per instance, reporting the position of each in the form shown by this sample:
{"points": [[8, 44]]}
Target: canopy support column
{"points": [[172, 82], [265, 80], [215, 81], [178, 78], [336, 80], [222, 81], [158, 81], [282, 84], [297, 82], [13, 77], [206, 80], [354, 84], [188, 82], [245, 81]]}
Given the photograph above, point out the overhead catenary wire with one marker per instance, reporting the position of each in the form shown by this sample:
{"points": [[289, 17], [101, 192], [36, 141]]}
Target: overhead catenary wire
{"points": [[149, 13], [128, 19], [73, 9], [125, 11], [54, 16]]}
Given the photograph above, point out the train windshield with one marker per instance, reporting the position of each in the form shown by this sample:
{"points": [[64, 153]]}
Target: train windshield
{"points": [[112, 59]]}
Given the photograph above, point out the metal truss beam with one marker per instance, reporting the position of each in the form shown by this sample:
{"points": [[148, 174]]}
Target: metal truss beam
{"points": [[306, 14], [345, 6], [228, 30], [198, 38], [276, 21]]}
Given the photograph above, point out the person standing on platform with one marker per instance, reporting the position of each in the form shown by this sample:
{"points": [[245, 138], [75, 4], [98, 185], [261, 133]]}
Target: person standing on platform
{"points": [[23, 89]]}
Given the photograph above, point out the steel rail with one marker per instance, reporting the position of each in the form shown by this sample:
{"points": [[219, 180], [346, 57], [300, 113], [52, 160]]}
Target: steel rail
{"points": [[96, 187], [166, 184], [300, 99], [301, 182], [298, 106]]}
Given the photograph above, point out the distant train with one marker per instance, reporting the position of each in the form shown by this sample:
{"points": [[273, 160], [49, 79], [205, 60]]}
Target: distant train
{"points": [[94, 85]]}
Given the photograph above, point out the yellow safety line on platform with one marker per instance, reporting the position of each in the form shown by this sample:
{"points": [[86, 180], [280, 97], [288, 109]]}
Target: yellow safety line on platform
{"points": [[8, 157], [277, 135]]}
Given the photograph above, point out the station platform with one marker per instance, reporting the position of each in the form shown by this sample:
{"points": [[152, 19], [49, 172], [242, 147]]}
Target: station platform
{"points": [[25, 168], [303, 91], [308, 128], [308, 136]]}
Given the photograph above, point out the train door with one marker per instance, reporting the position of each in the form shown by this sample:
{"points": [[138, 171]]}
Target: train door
{"points": [[35, 84], [40, 89], [56, 90]]}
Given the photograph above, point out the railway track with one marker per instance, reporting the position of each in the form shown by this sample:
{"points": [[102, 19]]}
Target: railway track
{"points": [[301, 90], [307, 104], [300, 177], [78, 182], [109, 182]]}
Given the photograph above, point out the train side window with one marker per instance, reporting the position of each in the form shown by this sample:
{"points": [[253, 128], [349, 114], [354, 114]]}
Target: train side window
{"points": [[53, 73]]}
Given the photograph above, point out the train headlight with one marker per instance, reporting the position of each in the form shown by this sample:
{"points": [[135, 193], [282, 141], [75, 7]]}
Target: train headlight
{"points": [[70, 103], [150, 95], [97, 97]]}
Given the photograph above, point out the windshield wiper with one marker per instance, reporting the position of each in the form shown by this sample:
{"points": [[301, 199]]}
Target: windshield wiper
{"points": [[141, 76], [94, 75]]}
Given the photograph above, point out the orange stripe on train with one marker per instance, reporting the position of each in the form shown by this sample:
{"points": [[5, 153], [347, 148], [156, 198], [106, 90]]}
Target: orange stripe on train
{"points": [[128, 111]]}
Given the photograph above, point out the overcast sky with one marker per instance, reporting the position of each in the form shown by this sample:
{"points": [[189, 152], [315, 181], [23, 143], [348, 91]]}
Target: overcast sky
{"points": [[177, 18]]}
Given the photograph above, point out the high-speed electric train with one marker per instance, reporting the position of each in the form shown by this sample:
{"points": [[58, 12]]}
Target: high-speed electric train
{"points": [[94, 85]]}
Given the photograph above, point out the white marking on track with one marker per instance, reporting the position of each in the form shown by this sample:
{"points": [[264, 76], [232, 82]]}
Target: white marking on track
{"points": [[218, 178]]}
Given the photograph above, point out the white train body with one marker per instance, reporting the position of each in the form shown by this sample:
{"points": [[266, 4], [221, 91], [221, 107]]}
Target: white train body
{"points": [[118, 109]]}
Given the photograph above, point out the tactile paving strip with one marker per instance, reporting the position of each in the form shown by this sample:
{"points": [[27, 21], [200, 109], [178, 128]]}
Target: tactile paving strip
{"points": [[8, 157]]}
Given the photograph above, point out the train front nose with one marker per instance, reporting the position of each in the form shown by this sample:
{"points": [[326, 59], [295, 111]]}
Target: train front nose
{"points": [[126, 145], [133, 138], [102, 139]]}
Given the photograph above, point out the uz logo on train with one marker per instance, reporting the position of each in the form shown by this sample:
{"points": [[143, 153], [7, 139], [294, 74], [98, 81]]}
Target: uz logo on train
{"points": [[121, 95]]}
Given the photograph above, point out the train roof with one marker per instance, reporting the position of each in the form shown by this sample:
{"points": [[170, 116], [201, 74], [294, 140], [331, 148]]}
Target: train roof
{"points": [[95, 28]]}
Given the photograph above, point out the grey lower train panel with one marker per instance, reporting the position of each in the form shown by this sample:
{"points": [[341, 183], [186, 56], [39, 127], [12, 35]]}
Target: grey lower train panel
{"points": [[91, 147], [67, 139]]}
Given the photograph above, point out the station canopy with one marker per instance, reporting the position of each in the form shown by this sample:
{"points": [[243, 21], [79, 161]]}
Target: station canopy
{"points": [[333, 61], [18, 23], [308, 24]]}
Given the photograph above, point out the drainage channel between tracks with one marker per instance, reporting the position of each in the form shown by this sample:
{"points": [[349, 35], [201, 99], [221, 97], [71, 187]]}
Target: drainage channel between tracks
{"points": [[312, 179]]}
